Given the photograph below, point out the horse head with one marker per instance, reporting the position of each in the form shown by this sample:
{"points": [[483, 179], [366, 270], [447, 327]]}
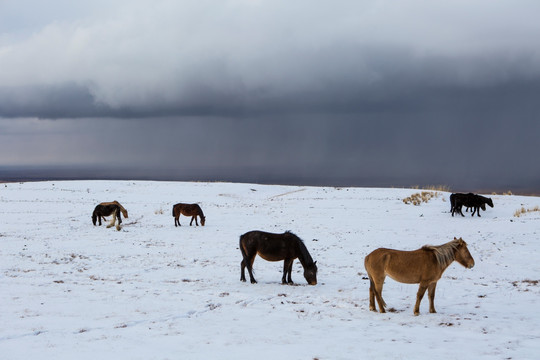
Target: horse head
{"points": [[489, 202], [310, 273], [203, 220], [462, 254]]}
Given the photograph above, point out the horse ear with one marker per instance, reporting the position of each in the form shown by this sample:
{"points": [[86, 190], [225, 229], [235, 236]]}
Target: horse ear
{"points": [[315, 263]]}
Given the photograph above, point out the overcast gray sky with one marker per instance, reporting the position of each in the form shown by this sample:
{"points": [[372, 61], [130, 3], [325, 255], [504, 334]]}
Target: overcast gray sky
{"points": [[337, 93]]}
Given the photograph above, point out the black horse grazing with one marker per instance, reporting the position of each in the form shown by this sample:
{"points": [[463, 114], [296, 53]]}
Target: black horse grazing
{"points": [[106, 209], [470, 200], [276, 247], [192, 210]]}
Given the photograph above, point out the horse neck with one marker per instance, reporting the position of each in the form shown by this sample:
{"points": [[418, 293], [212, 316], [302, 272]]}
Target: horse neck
{"points": [[445, 254], [305, 258], [199, 212]]}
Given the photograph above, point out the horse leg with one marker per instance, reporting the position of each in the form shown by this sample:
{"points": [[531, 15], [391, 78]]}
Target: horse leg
{"points": [[431, 296], [371, 295], [242, 272], [421, 291], [377, 289], [287, 268], [290, 271], [249, 265], [118, 226], [111, 224]]}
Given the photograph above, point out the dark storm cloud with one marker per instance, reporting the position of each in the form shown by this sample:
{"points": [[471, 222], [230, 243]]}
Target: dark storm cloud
{"points": [[142, 59], [341, 149], [335, 85]]}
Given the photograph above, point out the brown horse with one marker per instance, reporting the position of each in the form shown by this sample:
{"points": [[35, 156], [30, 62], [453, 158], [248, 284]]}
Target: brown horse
{"points": [[276, 247], [424, 266], [113, 208], [192, 210]]}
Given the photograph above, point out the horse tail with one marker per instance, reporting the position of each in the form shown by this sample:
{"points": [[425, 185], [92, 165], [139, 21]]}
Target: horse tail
{"points": [[245, 257], [94, 217], [242, 250], [123, 209], [173, 210]]}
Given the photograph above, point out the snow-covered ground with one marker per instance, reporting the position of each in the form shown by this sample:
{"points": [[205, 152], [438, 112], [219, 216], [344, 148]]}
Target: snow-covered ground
{"points": [[71, 290]]}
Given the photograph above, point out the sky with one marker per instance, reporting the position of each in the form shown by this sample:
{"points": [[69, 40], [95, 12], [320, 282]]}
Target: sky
{"points": [[358, 93]]}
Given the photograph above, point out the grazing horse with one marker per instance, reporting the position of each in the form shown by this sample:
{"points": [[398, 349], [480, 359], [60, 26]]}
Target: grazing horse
{"points": [[276, 247], [424, 266], [192, 210], [470, 200], [113, 208]]}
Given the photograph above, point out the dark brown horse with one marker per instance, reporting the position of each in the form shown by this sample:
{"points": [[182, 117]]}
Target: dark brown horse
{"points": [[192, 210], [424, 266], [104, 209], [276, 247], [470, 200]]}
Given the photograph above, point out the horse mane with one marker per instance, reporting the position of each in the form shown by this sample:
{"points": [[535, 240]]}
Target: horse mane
{"points": [[445, 253], [305, 258], [199, 210]]}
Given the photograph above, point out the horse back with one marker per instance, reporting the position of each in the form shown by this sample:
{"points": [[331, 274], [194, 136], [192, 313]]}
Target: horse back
{"points": [[106, 209], [187, 209], [269, 246], [410, 267]]}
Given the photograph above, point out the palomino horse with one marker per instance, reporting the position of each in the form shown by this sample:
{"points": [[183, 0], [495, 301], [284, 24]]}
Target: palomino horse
{"points": [[424, 266], [113, 208], [276, 247], [192, 210]]}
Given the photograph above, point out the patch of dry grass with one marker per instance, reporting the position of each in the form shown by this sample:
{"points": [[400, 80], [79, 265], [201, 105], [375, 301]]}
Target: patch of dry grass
{"points": [[509, 192], [524, 211], [418, 198], [433, 187]]}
